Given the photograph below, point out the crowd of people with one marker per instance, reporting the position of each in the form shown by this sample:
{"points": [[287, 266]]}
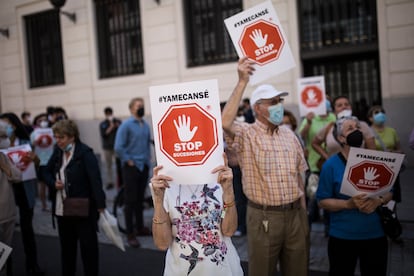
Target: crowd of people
{"points": [[278, 176]]}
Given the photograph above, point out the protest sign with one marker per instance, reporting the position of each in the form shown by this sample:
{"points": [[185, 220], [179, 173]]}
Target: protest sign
{"points": [[257, 33], [18, 155], [188, 135], [371, 172], [4, 253], [312, 95]]}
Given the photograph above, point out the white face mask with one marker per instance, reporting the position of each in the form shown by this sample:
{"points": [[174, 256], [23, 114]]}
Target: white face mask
{"points": [[4, 143], [240, 119], [44, 124], [344, 113]]}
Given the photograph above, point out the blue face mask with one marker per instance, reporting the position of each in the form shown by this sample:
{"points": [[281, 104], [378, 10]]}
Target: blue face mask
{"points": [[275, 114], [68, 147], [9, 131], [380, 118], [328, 106]]}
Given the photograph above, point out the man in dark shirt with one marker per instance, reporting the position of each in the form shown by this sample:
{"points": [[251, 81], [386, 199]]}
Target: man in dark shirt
{"points": [[26, 120], [108, 128]]}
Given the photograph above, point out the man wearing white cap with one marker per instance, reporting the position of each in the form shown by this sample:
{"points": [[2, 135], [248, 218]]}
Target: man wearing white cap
{"points": [[271, 159]]}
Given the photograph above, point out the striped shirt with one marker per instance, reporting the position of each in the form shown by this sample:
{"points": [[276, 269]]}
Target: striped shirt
{"points": [[271, 163]]}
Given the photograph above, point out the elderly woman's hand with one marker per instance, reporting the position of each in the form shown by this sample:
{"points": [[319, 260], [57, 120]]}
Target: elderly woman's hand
{"points": [[59, 185], [370, 205], [225, 174], [365, 204], [358, 200], [159, 182]]}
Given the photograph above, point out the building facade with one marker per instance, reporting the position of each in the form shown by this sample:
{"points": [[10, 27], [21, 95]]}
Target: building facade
{"points": [[116, 49]]}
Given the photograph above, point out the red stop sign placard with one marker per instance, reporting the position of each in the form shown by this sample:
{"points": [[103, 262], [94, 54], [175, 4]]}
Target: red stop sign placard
{"points": [[261, 41], [311, 96], [43, 141], [369, 176], [187, 134], [18, 159]]}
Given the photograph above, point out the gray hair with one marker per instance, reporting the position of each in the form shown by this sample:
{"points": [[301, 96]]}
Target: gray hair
{"points": [[338, 127], [66, 127]]}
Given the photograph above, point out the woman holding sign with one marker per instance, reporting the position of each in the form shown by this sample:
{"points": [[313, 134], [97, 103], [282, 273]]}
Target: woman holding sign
{"points": [[24, 192], [9, 174], [195, 223], [355, 230]]}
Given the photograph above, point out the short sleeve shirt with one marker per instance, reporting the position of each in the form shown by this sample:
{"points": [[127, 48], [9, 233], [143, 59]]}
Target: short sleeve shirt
{"points": [[271, 163]]}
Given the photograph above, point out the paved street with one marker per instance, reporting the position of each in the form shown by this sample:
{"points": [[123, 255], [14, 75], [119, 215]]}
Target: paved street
{"points": [[401, 261]]}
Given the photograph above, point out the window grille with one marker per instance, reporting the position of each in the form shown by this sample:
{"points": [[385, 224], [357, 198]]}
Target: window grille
{"points": [[207, 39], [337, 23], [339, 41], [118, 24], [44, 49]]}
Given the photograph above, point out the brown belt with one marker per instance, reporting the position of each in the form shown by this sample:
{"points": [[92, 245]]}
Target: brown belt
{"points": [[289, 206]]}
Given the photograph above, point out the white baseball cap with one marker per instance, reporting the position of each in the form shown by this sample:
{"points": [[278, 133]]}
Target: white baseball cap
{"points": [[265, 91]]}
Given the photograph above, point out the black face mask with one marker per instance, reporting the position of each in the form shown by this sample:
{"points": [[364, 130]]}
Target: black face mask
{"points": [[140, 112], [355, 138]]}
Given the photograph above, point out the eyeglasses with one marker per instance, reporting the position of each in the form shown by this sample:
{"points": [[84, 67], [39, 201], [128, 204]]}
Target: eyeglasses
{"points": [[273, 101], [4, 136]]}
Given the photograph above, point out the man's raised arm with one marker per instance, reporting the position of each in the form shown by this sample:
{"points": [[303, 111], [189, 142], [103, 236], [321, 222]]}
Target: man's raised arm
{"points": [[245, 69]]}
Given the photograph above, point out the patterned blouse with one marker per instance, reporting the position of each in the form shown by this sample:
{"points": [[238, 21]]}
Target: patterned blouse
{"points": [[198, 247]]}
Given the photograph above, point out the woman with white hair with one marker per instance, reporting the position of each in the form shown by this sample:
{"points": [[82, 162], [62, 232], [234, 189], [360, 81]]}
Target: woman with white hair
{"points": [[355, 233]]}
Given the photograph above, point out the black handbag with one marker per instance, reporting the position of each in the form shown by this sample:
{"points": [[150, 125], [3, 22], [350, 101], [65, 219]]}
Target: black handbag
{"points": [[390, 223], [76, 207]]}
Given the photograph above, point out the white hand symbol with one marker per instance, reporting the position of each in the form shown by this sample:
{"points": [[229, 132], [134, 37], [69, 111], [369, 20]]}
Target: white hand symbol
{"points": [[183, 128], [44, 141], [16, 158], [369, 173], [311, 94], [258, 38]]}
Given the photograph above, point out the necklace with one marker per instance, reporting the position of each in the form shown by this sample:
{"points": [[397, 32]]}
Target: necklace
{"points": [[193, 193]]}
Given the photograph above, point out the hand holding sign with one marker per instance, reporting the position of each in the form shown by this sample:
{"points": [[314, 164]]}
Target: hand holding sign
{"points": [[183, 129]]}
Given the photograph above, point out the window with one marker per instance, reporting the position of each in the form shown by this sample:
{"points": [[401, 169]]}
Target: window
{"points": [[328, 24], [339, 40], [44, 49], [356, 76], [207, 39], [118, 24]]}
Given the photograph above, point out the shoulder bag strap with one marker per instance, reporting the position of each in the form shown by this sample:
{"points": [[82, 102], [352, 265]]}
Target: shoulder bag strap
{"points": [[377, 137]]}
